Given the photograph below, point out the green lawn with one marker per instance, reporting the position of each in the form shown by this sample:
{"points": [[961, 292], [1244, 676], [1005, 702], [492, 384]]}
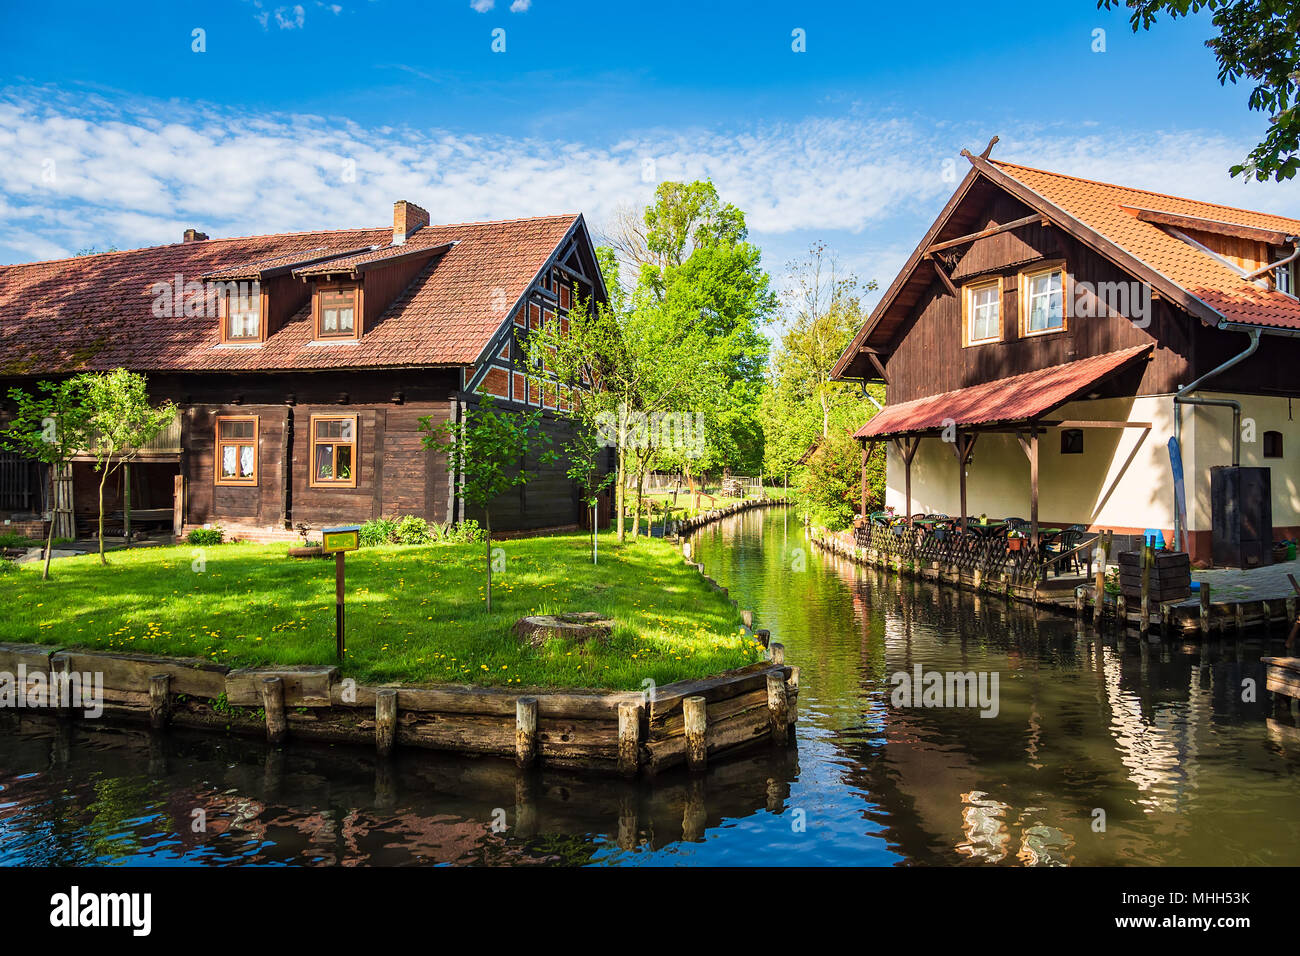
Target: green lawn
{"points": [[414, 614]]}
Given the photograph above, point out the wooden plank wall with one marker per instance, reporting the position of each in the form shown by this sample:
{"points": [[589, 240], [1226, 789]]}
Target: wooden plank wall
{"points": [[929, 357]]}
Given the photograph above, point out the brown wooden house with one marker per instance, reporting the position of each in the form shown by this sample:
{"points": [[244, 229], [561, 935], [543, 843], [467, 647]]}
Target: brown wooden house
{"points": [[302, 364], [1050, 334]]}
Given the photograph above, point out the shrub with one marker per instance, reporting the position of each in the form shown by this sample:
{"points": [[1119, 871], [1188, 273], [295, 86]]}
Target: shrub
{"points": [[467, 532], [378, 531], [412, 529], [11, 539], [205, 536]]}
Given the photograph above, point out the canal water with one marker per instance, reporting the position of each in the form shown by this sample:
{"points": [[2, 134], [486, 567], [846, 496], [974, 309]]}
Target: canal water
{"points": [[1101, 751]]}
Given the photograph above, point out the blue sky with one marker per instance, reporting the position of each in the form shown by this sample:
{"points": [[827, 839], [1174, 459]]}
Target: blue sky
{"points": [[115, 131]]}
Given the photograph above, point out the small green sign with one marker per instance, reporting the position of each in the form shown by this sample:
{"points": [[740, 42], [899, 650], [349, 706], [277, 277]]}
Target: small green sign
{"points": [[346, 537]]}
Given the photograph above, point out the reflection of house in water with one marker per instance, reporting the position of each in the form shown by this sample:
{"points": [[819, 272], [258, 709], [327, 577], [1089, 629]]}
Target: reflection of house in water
{"points": [[1087, 733]]}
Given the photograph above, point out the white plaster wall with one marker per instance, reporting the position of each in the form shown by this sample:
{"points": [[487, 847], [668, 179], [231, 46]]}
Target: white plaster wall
{"points": [[1123, 478], [1208, 435]]}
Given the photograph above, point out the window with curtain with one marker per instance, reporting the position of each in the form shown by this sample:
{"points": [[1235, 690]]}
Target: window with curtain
{"points": [[236, 450], [334, 450]]}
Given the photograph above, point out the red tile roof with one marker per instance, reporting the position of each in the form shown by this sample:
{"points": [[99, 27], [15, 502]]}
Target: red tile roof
{"points": [[1013, 399], [1101, 207], [96, 312]]}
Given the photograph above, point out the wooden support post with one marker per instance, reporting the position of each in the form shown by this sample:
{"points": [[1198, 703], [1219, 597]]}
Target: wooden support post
{"points": [[126, 502], [777, 651], [385, 720], [792, 695], [339, 647], [865, 455], [159, 702], [1121, 610], [777, 707], [273, 703], [1079, 602], [764, 636], [629, 738], [747, 618], [1205, 609], [696, 717], [178, 504], [526, 731], [1148, 558], [1239, 617], [1103, 539], [1033, 487]]}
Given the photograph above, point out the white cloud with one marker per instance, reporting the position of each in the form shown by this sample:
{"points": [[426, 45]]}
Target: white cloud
{"points": [[290, 18], [482, 6], [138, 173], [521, 6]]}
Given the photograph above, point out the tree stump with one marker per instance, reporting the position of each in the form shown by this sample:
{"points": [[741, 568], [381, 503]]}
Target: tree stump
{"points": [[578, 626]]}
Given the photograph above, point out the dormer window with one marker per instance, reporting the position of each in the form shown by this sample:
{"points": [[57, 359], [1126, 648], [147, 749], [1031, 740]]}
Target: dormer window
{"points": [[241, 315], [338, 312], [982, 313]]}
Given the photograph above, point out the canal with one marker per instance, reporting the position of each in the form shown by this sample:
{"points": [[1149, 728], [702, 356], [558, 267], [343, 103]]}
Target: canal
{"points": [[1093, 751]]}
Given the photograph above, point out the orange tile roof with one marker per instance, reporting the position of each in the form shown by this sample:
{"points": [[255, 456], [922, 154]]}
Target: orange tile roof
{"points": [[1014, 399], [1099, 206], [96, 312]]}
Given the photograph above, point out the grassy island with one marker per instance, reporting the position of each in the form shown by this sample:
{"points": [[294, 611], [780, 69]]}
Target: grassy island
{"points": [[414, 614]]}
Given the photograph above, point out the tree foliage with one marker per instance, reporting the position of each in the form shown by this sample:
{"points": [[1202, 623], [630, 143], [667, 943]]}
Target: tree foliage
{"points": [[122, 421], [489, 450], [1258, 41], [49, 427]]}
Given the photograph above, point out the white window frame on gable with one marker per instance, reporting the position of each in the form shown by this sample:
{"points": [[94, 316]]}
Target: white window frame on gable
{"points": [[1028, 298], [975, 312], [1284, 277]]}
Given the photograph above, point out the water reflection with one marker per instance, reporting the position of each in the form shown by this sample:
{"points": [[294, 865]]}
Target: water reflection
{"points": [[1104, 750]]}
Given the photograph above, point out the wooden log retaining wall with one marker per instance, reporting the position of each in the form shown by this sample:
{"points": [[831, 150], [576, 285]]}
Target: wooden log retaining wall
{"points": [[1170, 618], [569, 728]]}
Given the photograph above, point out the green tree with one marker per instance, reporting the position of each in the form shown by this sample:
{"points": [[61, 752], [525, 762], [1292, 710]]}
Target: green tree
{"points": [[486, 448], [122, 422], [1259, 41], [49, 428], [584, 452]]}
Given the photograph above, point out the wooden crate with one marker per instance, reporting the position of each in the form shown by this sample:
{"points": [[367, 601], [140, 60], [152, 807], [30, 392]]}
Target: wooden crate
{"points": [[1171, 576]]}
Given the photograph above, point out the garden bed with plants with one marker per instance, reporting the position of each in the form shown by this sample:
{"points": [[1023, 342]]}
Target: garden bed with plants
{"points": [[415, 613]]}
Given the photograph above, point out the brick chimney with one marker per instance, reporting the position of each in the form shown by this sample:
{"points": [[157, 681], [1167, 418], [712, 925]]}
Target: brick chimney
{"points": [[193, 235], [407, 217]]}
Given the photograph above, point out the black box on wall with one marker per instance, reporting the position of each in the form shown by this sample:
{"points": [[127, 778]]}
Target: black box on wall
{"points": [[1241, 506]]}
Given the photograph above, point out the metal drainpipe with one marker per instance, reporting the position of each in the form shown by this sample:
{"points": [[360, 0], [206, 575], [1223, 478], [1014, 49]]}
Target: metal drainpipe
{"points": [[1184, 397]]}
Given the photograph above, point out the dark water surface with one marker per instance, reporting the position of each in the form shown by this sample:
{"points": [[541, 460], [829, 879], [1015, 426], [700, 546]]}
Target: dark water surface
{"points": [[1156, 740]]}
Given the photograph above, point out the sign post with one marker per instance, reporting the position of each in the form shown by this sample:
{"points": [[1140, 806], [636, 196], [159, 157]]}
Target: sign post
{"points": [[338, 541]]}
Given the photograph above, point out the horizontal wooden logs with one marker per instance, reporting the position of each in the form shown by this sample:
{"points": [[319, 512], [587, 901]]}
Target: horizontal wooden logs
{"points": [[488, 701], [305, 685], [187, 675]]}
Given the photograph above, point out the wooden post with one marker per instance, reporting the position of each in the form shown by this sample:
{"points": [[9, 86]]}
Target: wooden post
{"points": [[747, 618], [1104, 539], [526, 731], [764, 636], [792, 695], [777, 650], [865, 455], [385, 720], [126, 502], [1148, 557], [1239, 617], [1205, 609], [339, 647], [159, 712], [1121, 610], [1079, 602], [1033, 487], [178, 504], [696, 717], [629, 738], [777, 707], [273, 704]]}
